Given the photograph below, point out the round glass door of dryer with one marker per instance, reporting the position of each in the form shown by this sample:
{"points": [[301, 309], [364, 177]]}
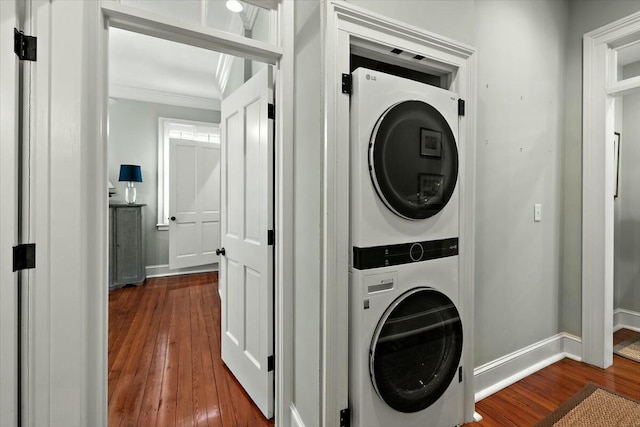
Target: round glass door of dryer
{"points": [[416, 350], [413, 160]]}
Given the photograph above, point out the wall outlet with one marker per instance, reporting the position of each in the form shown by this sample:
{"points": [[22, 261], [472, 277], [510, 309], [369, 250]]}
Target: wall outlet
{"points": [[537, 212]]}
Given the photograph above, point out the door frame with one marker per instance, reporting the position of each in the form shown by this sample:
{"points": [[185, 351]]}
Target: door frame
{"points": [[600, 87], [68, 308], [9, 324], [344, 26], [281, 57]]}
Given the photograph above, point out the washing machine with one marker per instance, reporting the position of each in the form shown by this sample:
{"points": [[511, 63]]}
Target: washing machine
{"points": [[405, 327]]}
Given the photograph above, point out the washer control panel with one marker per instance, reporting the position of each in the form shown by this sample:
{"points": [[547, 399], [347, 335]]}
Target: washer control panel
{"points": [[404, 253]]}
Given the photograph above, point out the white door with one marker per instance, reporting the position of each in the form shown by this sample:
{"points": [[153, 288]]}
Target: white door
{"points": [[8, 216], [194, 203], [246, 267]]}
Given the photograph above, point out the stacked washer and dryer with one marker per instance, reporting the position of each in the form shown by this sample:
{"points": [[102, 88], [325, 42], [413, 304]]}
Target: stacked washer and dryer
{"points": [[405, 331]]}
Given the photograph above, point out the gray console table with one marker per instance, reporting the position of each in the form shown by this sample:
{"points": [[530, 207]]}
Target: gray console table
{"points": [[126, 245]]}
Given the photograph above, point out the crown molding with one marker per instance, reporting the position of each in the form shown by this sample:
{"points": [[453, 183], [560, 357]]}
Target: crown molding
{"points": [[119, 91]]}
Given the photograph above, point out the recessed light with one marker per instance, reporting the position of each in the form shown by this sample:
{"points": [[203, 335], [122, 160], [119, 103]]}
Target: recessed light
{"points": [[234, 6]]}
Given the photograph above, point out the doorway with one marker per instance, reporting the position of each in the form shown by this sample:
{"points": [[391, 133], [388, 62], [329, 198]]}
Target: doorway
{"points": [[192, 155], [602, 83]]}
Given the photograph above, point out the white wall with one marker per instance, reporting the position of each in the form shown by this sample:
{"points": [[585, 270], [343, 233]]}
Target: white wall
{"points": [[133, 139], [584, 16], [627, 227]]}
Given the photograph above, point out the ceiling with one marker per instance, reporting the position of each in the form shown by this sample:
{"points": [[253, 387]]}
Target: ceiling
{"points": [[156, 70]]}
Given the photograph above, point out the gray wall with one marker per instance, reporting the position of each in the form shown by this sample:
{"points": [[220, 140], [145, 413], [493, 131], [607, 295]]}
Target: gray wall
{"points": [[521, 74], [584, 16], [307, 204], [627, 226], [133, 138]]}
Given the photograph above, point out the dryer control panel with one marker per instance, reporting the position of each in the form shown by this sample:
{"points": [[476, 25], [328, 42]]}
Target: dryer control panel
{"points": [[404, 253]]}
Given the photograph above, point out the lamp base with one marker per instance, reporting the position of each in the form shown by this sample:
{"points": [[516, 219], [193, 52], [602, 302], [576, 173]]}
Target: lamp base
{"points": [[130, 193]]}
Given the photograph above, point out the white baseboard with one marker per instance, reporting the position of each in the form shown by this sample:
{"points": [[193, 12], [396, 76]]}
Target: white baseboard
{"points": [[163, 270], [296, 420], [626, 319], [504, 371]]}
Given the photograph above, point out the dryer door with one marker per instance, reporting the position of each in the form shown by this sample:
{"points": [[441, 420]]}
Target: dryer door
{"points": [[416, 349], [413, 160]]}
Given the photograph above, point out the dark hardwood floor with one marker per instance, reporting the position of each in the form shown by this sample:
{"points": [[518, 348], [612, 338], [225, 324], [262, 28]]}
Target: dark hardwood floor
{"points": [[164, 358], [165, 367], [534, 397]]}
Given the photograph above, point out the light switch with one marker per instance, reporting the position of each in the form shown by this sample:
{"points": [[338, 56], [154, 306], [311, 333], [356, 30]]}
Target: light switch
{"points": [[537, 212]]}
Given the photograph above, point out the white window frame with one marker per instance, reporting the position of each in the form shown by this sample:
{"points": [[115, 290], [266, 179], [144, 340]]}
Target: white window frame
{"points": [[165, 126]]}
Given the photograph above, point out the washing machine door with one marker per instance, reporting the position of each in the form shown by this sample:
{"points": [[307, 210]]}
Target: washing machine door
{"points": [[413, 160], [416, 350]]}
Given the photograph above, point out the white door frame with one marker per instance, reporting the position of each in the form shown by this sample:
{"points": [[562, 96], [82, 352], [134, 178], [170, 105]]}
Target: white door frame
{"points": [[8, 215], [68, 325], [343, 25], [281, 57], [601, 85]]}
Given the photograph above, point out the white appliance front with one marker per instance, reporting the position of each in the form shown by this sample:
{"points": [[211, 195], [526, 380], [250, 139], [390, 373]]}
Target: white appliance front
{"points": [[404, 161], [406, 338]]}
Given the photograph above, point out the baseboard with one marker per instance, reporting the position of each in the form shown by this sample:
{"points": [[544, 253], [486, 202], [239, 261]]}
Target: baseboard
{"points": [[296, 420], [626, 319], [504, 371], [164, 271]]}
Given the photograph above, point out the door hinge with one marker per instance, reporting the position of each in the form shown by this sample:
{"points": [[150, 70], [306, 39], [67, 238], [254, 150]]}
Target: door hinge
{"points": [[347, 83], [24, 46], [24, 256], [271, 111], [461, 107], [271, 237], [460, 374], [345, 417], [270, 363]]}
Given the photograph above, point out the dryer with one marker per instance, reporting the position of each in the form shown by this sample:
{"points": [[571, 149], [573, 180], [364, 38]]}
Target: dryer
{"points": [[404, 161], [405, 328]]}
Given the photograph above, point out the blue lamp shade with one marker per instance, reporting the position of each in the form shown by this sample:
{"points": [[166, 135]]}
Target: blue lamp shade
{"points": [[131, 173]]}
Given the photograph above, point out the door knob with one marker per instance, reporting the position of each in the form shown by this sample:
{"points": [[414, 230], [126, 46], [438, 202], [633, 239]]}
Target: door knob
{"points": [[220, 251], [173, 218]]}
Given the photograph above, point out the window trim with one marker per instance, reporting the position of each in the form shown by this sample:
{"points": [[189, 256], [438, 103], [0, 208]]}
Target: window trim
{"points": [[164, 124]]}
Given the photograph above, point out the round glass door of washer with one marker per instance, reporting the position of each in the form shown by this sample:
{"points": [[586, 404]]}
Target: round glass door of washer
{"points": [[413, 160], [416, 350]]}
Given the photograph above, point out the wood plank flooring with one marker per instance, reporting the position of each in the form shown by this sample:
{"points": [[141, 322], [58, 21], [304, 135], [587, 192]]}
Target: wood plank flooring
{"points": [[165, 367], [534, 397], [164, 358]]}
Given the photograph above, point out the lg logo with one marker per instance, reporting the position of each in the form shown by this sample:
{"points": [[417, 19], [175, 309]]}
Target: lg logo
{"points": [[370, 77]]}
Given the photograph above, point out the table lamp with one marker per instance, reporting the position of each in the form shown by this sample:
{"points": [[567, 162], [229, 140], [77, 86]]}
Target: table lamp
{"points": [[130, 174]]}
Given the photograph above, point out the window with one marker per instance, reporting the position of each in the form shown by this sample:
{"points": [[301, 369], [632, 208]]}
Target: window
{"points": [[176, 128]]}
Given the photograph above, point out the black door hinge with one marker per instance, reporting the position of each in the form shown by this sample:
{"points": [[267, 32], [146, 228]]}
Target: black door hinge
{"points": [[460, 374], [270, 363], [271, 111], [24, 256], [461, 107], [24, 46], [345, 417], [347, 83], [271, 237]]}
